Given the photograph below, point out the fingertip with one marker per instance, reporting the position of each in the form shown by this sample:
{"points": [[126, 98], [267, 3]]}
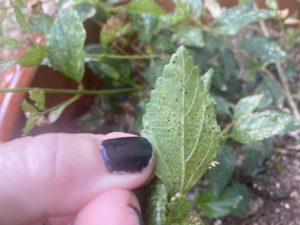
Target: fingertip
{"points": [[114, 207]]}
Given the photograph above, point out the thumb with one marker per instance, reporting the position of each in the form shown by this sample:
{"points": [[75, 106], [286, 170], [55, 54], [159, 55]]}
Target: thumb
{"points": [[115, 207], [57, 174]]}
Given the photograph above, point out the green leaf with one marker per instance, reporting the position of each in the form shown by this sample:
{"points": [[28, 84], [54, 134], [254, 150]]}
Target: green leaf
{"points": [[5, 41], [33, 112], [19, 3], [37, 95], [222, 173], [145, 6], [4, 65], [222, 106], [191, 130], [147, 25], [154, 71], [113, 28], [178, 209], [256, 153], [65, 43], [236, 18], [247, 105], [258, 126], [33, 56], [188, 8], [156, 204], [263, 48], [216, 206], [31, 122], [21, 18], [272, 91], [242, 209], [85, 11], [190, 37], [41, 23]]}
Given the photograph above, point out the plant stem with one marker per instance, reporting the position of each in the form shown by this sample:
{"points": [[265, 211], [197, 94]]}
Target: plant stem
{"points": [[65, 104], [225, 131], [101, 57], [72, 91], [284, 83]]}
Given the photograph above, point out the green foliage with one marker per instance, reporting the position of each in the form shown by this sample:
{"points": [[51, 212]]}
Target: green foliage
{"points": [[183, 161], [65, 43], [257, 126], [135, 42], [236, 18], [33, 56], [20, 16], [247, 105], [263, 48], [218, 205], [271, 91], [221, 175], [145, 6], [190, 37], [33, 111], [42, 23], [5, 41], [256, 153]]}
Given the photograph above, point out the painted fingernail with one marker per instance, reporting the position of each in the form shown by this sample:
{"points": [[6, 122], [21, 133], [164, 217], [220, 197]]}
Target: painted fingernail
{"points": [[137, 213], [127, 154]]}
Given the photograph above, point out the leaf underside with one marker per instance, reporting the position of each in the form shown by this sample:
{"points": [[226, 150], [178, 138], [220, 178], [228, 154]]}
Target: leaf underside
{"points": [[181, 125]]}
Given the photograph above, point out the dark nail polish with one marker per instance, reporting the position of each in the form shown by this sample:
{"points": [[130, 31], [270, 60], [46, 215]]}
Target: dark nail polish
{"points": [[138, 215], [128, 154]]}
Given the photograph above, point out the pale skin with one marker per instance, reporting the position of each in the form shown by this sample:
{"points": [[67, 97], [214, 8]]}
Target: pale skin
{"points": [[62, 179]]}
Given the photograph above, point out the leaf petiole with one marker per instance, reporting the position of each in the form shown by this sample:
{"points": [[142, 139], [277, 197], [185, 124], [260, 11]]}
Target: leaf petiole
{"points": [[73, 91]]}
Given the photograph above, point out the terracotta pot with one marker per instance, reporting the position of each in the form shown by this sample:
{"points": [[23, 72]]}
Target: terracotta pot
{"points": [[10, 103], [12, 120]]}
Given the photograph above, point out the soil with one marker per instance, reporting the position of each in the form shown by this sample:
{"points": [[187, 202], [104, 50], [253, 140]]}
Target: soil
{"points": [[275, 196]]}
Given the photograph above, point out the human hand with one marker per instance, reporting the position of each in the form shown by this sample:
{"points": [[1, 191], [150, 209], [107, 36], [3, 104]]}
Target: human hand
{"points": [[69, 179]]}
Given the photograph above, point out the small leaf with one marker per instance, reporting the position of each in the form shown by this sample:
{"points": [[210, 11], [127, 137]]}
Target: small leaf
{"points": [[216, 206], [263, 48], [256, 153], [222, 173], [191, 130], [85, 11], [189, 7], [31, 122], [190, 37], [185, 9], [38, 96], [234, 19], [55, 114], [242, 209], [247, 105], [178, 209], [21, 18], [145, 6], [258, 126], [154, 71], [41, 23], [65, 43], [156, 204], [222, 106], [271, 91], [113, 28], [5, 41], [34, 56], [147, 25]]}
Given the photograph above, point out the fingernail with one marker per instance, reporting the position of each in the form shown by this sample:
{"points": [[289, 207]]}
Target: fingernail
{"points": [[128, 154], [137, 213]]}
